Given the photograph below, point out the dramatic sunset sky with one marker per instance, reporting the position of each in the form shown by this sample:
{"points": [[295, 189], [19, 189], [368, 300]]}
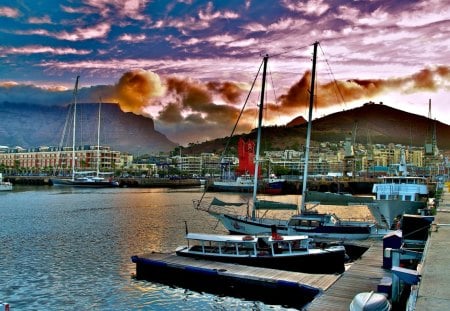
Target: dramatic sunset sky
{"points": [[189, 65]]}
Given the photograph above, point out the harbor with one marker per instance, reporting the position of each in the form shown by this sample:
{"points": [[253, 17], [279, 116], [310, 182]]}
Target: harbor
{"points": [[407, 269], [55, 240]]}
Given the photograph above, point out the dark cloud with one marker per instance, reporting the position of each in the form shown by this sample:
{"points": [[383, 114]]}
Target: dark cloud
{"points": [[228, 91], [187, 108], [171, 114], [333, 93]]}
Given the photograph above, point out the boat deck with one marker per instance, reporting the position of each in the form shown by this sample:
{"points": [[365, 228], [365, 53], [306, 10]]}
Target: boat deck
{"points": [[364, 275]]}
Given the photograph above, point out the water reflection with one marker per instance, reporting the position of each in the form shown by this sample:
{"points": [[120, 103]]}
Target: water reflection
{"points": [[70, 249]]}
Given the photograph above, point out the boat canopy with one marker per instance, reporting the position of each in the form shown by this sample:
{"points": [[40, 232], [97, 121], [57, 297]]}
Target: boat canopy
{"points": [[272, 205], [218, 202], [241, 238], [219, 237]]}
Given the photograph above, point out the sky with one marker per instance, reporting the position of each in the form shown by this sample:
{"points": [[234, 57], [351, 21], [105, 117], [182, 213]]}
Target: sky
{"points": [[192, 66]]}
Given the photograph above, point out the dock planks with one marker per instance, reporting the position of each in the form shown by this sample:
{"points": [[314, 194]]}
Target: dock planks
{"points": [[336, 292], [363, 276], [319, 281]]}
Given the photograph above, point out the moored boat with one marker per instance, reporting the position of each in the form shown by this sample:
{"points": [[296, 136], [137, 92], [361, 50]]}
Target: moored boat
{"points": [[291, 253], [84, 179], [320, 226], [398, 195], [244, 183], [5, 185], [315, 225]]}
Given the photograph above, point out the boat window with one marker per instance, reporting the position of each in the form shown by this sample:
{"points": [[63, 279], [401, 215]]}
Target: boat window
{"points": [[304, 223], [382, 197], [294, 222], [314, 223], [407, 197], [262, 243]]}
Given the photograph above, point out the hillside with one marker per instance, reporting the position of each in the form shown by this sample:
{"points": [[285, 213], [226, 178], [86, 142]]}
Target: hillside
{"points": [[374, 123], [30, 126]]}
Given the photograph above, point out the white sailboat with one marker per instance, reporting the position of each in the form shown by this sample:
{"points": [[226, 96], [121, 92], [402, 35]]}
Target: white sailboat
{"points": [[315, 225], [85, 179]]}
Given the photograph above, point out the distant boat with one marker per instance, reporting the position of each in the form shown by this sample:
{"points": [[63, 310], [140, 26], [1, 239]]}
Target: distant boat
{"points": [[85, 179], [5, 185], [244, 183], [398, 195], [315, 225], [291, 253]]}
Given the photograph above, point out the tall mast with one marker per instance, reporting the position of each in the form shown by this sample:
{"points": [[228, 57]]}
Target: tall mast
{"points": [[75, 92], [308, 132], [258, 139], [98, 138]]}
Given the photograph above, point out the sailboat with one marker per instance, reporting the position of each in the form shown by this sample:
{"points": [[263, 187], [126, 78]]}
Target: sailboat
{"points": [[315, 225], [85, 179]]}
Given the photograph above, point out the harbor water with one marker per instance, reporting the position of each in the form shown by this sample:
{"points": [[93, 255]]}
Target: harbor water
{"points": [[69, 249]]}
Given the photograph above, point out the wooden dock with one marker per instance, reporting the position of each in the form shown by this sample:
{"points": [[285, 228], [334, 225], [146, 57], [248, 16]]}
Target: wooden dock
{"points": [[324, 291], [435, 280], [364, 275], [275, 286]]}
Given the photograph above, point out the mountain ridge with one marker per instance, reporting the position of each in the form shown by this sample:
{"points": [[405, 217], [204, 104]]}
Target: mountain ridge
{"points": [[31, 126], [372, 123]]}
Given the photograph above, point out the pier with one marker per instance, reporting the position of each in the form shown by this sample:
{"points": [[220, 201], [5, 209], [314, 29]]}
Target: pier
{"points": [[432, 292], [269, 285], [321, 291], [364, 275]]}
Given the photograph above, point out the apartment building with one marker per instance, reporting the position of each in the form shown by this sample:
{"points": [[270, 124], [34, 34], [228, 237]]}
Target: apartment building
{"points": [[60, 160]]}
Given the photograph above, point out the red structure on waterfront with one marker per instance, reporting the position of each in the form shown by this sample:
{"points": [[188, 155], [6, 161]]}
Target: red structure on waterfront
{"points": [[246, 155]]}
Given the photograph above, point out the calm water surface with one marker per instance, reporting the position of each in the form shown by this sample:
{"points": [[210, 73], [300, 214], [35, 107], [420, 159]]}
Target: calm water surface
{"points": [[70, 249]]}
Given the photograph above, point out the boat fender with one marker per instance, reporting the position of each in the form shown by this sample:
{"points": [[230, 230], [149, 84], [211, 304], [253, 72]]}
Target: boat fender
{"points": [[247, 238], [277, 237]]}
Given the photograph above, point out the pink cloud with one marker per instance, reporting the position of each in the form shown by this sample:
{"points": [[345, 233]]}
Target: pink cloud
{"points": [[132, 38], [310, 7], [94, 32], [40, 20], [38, 49], [9, 12]]}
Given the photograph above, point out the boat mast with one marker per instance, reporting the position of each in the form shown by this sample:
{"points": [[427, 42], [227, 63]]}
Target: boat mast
{"points": [[98, 138], [308, 132], [75, 91], [258, 139]]}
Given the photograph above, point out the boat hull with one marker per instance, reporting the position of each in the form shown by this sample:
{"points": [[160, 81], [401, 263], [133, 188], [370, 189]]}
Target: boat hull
{"points": [[4, 186], [237, 224], [232, 187], [329, 260], [85, 184], [386, 212]]}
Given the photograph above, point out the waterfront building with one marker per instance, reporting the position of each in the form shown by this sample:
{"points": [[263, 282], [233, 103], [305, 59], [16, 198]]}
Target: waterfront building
{"points": [[58, 161]]}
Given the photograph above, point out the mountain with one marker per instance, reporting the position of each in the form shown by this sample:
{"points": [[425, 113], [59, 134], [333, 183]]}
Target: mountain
{"points": [[370, 123], [30, 126]]}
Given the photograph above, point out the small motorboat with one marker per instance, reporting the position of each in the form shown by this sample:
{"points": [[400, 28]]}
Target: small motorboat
{"points": [[291, 253]]}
